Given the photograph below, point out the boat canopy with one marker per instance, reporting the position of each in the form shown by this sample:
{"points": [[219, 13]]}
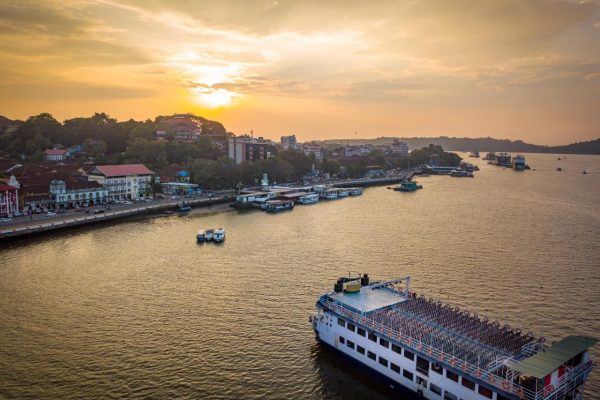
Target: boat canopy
{"points": [[544, 362]]}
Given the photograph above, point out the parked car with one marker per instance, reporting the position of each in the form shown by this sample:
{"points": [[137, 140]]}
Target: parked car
{"points": [[50, 213], [99, 211], [17, 214], [6, 220], [129, 202]]}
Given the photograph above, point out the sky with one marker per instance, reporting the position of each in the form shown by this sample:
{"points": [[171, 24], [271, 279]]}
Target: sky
{"points": [[516, 69]]}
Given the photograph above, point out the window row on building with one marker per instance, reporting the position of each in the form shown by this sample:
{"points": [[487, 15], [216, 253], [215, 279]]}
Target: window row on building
{"points": [[423, 366]]}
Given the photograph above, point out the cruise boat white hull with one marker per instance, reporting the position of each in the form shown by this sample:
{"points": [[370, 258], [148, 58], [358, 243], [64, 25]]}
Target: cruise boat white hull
{"points": [[387, 331]]}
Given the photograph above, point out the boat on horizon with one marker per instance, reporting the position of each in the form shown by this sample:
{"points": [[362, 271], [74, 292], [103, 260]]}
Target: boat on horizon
{"points": [[519, 163]]}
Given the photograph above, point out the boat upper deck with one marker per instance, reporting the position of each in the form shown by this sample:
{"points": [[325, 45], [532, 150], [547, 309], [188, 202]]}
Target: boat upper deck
{"points": [[369, 299], [451, 330]]}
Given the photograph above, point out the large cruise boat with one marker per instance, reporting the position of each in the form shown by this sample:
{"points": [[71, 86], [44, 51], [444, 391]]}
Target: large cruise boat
{"points": [[442, 352]]}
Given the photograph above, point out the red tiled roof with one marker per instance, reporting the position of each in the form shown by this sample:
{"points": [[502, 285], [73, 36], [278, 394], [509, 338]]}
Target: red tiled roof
{"points": [[54, 152], [122, 170], [5, 188]]}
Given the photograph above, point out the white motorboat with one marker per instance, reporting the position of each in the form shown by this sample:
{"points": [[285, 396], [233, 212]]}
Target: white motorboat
{"points": [[219, 235], [309, 198], [208, 235]]}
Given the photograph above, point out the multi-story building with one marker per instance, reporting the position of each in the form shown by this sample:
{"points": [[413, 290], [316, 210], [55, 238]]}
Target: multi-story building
{"points": [[350, 151], [127, 181], [289, 142], [9, 200], [77, 192], [243, 148], [398, 147], [313, 149]]}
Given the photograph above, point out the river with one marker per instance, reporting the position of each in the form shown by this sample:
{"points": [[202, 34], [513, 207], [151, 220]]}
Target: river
{"points": [[137, 309]]}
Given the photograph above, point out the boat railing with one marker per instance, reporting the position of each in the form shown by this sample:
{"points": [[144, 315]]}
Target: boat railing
{"points": [[453, 359]]}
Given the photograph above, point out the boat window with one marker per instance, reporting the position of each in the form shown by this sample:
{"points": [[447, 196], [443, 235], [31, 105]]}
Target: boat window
{"points": [[422, 366], [437, 368], [407, 374], [341, 322], [371, 355], [410, 355], [395, 368], [435, 389], [342, 340], [383, 361], [421, 381], [360, 349], [449, 396], [485, 392], [361, 332], [372, 337], [350, 326], [384, 343], [396, 348], [350, 344], [468, 384], [452, 376]]}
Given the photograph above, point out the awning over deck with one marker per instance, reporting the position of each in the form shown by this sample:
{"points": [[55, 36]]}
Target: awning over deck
{"points": [[544, 362]]}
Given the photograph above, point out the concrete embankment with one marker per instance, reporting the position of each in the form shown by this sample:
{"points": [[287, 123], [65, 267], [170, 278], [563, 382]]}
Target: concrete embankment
{"points": [[72, 220], [373, 181]]}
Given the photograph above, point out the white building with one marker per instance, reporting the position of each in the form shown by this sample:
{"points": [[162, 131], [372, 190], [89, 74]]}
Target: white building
{"points": [[350, 151], [127, 181], [77, 193], [398, 147], [289, 142], [314, 149], [56, 154]]}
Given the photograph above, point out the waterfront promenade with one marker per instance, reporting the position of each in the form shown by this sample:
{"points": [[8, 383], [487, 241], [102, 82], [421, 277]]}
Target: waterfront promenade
{"points": [[41, 222]]}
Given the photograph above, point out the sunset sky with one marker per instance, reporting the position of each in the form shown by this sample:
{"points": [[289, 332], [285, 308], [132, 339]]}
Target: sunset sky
{"points": [[517, 69]]}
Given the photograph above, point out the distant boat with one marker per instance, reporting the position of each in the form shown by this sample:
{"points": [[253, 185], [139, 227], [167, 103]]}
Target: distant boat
{"points": [[519, 163], [308, 198], [184, 208], [201, 235], [459, 173], [329, 194], [474, 154], [208, 235], [357, 191], [408, 186], [343, 193], [219, 235]]}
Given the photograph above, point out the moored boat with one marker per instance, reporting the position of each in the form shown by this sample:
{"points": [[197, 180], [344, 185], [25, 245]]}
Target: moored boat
{"points": [[208, 235], [343, 193], [273, 206], [519, 163], [201, 235], [308, 198], [408, 186], [329, 194], [459, 173], [357, 191], [219, 235], [442, 352]]}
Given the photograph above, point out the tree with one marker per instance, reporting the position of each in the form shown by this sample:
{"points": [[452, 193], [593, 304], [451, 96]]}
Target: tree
{"points": [[300, 163], [148, 152]]}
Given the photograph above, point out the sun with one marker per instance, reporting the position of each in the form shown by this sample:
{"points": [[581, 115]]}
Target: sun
{"points": [[214, 98]]}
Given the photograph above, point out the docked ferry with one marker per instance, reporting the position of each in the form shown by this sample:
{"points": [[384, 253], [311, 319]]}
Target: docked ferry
{"points": [[442, 352]]}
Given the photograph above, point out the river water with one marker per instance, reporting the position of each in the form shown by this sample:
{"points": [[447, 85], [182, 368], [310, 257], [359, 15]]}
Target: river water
{"points": [[137, 309]]}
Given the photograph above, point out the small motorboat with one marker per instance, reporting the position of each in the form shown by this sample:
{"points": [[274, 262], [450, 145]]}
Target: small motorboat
{"points": [[208, 235], [357, 191], [201, 235], [219, 235]]}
